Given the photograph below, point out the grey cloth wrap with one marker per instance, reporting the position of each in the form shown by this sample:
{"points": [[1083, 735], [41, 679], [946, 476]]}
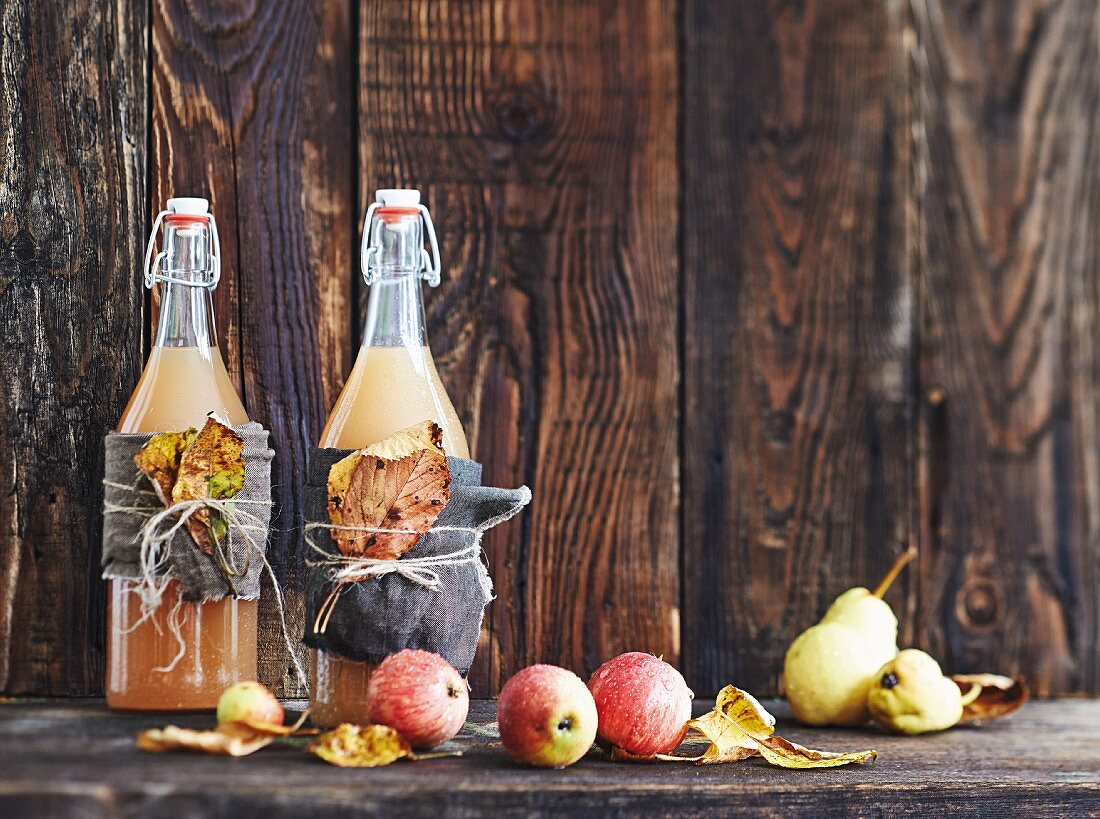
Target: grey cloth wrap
{"points": [[381, 616], [199, 574]]}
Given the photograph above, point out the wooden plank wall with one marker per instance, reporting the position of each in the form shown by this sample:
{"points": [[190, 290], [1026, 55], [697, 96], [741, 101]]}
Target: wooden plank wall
{"points": [[1009, 494], [272, 149], [72, 214], [550, 151], [753, 295], [798, 325]]}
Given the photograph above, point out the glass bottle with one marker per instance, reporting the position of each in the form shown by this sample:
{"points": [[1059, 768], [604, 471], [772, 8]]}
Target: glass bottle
{"points": [[393, 385], [183, 381]]}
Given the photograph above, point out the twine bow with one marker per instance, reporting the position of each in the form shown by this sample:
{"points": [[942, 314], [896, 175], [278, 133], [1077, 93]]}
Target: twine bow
{"points": [[356, 568]]}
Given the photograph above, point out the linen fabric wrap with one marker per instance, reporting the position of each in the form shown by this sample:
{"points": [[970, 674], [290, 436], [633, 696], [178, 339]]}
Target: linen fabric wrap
{"points": [[381, 616], [199, 574]]}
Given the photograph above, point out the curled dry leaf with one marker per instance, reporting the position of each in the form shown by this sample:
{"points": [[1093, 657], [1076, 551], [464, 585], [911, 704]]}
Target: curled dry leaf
{"points": [[231, 739], [996, 696], [739, 727], [361, 746], [400, 483], [728, 742], [787, 754], [159, 460], [275, 729], [211, 467]]}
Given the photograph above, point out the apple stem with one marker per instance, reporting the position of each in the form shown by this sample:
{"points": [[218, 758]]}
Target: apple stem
{"points": [[899, 564]]}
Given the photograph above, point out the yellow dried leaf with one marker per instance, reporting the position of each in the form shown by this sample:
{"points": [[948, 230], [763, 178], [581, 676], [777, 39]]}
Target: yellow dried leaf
{"points": [[739, 727], [728, 743], [361, 746], [400, 483], [212, 466], [996, 696], [745, 711], [787, 754], [231, 739], [159, 459]]}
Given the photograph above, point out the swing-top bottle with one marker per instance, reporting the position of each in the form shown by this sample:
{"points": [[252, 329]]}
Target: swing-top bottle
{"points": [[184, 381]]}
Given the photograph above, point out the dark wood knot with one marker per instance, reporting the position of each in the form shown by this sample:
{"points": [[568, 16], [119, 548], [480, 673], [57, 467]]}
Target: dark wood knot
{"points": [[522, 114], [24, 248], [979, 604]]}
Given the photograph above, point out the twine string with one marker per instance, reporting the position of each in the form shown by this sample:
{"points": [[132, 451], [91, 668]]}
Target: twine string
{"points": [[345, 570]]}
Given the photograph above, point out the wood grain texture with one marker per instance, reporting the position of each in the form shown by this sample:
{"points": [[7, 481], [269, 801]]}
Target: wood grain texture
{"points": [[1010, 325], [253, 109], [543, 137], [62, 761], [72, 213], [797, 324]]}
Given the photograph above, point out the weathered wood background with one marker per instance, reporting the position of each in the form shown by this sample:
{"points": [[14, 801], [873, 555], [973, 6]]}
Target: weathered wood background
{"points": [[753, 294]]}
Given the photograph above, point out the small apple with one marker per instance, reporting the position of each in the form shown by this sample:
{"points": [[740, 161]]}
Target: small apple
{"points": [[546, 716], [249, 702], [420, 695], [643, 702]]}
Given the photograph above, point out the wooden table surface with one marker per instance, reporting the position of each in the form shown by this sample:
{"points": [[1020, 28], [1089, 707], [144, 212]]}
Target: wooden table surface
{"points": [[74, 758]]}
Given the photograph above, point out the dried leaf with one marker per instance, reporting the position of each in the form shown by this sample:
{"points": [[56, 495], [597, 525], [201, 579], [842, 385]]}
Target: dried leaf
{"points": [[728, 742], [787, 754], [402, 482], [273, 728], [744, 710], [159, 459], [231, 739], [617, 754], [211, 467], [997, 696], [361, 746], [739, 727]]}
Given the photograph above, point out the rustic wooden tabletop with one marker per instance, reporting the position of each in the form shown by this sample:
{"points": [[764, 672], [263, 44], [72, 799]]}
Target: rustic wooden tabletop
{"points": [[74, 758]]}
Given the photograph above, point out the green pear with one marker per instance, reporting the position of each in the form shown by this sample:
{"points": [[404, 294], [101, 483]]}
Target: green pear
{"points": [[831, 667], [910, 695]]}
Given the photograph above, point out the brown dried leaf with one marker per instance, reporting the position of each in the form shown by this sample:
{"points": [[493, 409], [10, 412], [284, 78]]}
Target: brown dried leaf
{"points": [[159, 459], [231, 739], [402, 482], [272, 728], [997, 696], [739, 727], [361, 746], [211, 467]]}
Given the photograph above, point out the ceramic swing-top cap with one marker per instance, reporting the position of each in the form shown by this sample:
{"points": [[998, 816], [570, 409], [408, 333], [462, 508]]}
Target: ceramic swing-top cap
{"points": [[189, 205], [397, 197]]}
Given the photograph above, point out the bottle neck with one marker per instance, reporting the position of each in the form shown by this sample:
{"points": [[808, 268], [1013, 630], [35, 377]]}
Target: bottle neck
{"points": [[186, 317], [186, 312], [395, 312], [395, 308]]}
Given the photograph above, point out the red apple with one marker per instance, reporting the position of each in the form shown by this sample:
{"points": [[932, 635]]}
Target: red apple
{"points": [[643, 702], [546, 717], [249, 702], [420, 695]]}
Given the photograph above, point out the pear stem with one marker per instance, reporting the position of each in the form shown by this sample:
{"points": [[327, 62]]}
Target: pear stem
{"points": [[895, 570]]}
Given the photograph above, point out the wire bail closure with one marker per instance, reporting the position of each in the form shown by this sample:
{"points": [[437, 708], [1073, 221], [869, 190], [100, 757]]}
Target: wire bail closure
{"points": [[430, 265], [152, 270]]}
